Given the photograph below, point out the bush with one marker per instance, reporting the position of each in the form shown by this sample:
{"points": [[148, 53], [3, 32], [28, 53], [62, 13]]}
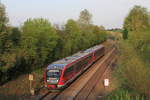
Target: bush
{"points": [[122, 94], [132, 70]]}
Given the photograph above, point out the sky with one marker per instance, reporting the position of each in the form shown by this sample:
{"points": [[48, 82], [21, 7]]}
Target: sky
{"points": [[108, 13]]}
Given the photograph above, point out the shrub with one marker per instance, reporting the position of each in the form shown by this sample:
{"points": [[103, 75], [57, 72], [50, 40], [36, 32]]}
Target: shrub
{"points": [[132, 70]]}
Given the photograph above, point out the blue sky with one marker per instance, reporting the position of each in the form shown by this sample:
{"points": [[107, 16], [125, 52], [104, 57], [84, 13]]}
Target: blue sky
{"points": [[109, 13]]}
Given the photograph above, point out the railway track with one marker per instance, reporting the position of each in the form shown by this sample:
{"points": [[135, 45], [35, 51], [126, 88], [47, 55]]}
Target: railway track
{"points": [[86, 86], [91, 89]]}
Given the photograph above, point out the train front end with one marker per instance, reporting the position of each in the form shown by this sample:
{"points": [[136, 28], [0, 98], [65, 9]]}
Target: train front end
{"points": [[52, 77]]}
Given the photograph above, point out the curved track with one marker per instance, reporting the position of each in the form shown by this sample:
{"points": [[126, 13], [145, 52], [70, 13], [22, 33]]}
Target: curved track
{"points": [[85, 87]]}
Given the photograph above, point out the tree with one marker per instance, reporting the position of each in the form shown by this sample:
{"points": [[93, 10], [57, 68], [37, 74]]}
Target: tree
{"points": [[134, 60], [72, 35], [15, 36], [3, 29], [39, 39], [85, 17], [3, 18], [138, 19], [125, 34]]}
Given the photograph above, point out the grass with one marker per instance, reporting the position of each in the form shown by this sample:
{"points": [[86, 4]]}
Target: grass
{"points": [[124, 94]]}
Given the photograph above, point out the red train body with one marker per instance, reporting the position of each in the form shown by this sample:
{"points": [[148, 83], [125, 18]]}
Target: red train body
{"points": [[58, 74]]}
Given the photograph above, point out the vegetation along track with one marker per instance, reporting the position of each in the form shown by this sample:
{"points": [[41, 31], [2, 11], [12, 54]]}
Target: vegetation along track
{"points": [[82, 87]]}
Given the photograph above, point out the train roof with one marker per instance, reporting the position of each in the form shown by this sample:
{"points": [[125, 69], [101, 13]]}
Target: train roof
{"points": [[60, 64]]}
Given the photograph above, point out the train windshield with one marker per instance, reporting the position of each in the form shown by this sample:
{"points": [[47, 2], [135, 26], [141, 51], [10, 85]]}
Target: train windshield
{"points": [[53, 73]]}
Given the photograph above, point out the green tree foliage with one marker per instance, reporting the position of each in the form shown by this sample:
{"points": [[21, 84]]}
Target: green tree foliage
{"points": [[125, 34], [72, 37], [134, 61], [85, 17], [132, 70], [9, 48], [137, 23], [138, 19], [39, 39], [80, 36], [3, 18], [90, 34], [140, 41], [3, 30], [5, 42]]}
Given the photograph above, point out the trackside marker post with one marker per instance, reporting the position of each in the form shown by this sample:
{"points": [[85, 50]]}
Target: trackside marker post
{"points": [[30, 77], [106, 82], [31, 88]]}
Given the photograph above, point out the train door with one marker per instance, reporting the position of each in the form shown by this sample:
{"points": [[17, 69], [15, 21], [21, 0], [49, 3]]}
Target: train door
{"points": [[68, 73], [78, 67]]}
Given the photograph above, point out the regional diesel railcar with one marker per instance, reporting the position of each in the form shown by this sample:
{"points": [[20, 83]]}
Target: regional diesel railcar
{"points": [[58, 74]]}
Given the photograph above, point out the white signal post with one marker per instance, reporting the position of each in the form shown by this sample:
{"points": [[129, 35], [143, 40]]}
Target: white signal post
{"points": [[31, 88], [106, 84]]}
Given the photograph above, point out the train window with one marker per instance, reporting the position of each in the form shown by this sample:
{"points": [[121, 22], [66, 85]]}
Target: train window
{"points": [[89, 58], [81, 64], [68, 70], [78, 66], [53, 73], [86, 60]]}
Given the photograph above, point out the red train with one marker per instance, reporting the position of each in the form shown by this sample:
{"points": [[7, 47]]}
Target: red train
{"points": [[58, 74]]}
